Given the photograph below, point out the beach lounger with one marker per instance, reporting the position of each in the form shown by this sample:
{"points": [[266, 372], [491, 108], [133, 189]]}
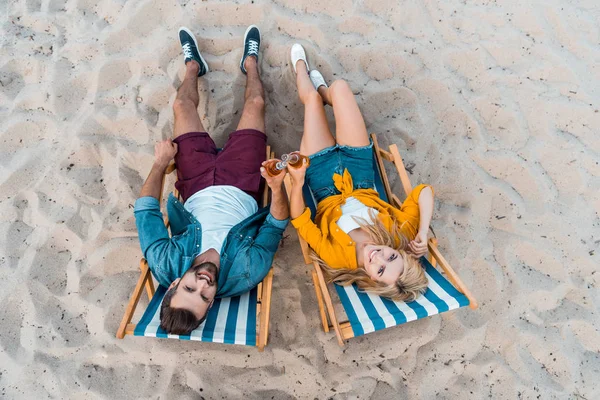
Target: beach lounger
{"points": [[367, 312], [235, 320]]}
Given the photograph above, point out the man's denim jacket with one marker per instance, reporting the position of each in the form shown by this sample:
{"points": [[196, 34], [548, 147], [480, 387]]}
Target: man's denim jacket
{"points": [[246, 256]]}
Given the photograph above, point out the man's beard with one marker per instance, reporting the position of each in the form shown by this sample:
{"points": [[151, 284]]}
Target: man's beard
{"points": [[207, 267]]}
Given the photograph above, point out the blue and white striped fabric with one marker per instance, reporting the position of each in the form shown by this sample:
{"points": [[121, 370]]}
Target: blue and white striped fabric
{"points": [[230, 320], [369, 313]]}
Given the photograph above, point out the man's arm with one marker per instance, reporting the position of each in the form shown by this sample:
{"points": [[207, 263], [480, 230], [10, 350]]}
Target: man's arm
{"points": [[279, 204], [164, 152], [153, 234]]}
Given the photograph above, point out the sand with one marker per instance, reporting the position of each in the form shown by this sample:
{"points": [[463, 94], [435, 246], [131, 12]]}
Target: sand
{"points": [[494, 103]]}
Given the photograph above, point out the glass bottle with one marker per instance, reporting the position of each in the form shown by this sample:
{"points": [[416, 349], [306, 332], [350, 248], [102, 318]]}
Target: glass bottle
{"points": [[295, 159], [275, 167]]}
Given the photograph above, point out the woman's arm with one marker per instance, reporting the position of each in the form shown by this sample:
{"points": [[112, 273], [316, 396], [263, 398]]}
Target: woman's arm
{"points": [[297, 204], [419, 245]]}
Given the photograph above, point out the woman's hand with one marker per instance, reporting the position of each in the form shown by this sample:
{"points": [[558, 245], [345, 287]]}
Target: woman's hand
{"points": [[298, 174], [274, 182], [164, 152], [418, 246]]}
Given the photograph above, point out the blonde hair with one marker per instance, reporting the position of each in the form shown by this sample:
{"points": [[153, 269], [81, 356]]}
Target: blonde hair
{"points": [[411, 283]]}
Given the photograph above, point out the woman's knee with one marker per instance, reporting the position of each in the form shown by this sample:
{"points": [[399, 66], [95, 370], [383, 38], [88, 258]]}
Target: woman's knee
{"points": [[340, 87], [312, 96]]}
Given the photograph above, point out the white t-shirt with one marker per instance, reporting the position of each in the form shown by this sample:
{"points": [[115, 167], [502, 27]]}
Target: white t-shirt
{"points": [[354, 208], [219, 208]]}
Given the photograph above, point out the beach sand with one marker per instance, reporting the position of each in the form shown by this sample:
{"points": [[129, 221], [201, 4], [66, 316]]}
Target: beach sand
{"points": [[496, 105]]}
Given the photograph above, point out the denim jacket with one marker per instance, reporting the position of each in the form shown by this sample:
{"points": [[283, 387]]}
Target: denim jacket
{"points": [[246, 256]]}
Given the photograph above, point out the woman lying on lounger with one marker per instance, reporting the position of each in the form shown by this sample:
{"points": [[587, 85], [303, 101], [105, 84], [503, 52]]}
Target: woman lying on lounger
{"points": [[357, 237]]}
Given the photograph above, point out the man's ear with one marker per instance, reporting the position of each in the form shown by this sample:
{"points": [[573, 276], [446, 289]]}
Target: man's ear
{"points": [[174, 283]]}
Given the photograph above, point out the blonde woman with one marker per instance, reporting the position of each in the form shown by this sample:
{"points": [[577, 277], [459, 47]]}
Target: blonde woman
{"points": [[357, 237]]}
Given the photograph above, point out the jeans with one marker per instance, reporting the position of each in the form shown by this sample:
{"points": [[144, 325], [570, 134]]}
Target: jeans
{"points": [[334, 159]]}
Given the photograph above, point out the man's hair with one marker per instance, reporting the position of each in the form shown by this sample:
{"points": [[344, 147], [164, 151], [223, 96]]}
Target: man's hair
{"points": [[177, 321]]}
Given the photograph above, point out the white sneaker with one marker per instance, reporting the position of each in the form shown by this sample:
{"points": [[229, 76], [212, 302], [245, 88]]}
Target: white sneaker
{"points": [[298, 54], [317, 79]]}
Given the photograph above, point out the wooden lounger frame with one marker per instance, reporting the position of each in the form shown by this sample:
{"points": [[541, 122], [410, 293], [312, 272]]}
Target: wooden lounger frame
{"points": [[342, 329], [263, 306]]}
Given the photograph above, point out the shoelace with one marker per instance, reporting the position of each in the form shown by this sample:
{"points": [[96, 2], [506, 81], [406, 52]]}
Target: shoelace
{"points": [[253, 47], [187, 51]]}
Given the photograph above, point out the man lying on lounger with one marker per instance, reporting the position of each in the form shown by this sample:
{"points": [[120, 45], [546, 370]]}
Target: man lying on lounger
{"points": [[222, 244]]}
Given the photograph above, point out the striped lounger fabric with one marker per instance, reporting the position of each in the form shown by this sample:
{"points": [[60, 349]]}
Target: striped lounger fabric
{"points": [[369, 313], [231, 320]]}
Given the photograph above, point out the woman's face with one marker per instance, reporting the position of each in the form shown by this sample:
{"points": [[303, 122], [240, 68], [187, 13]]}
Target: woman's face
{"points": [[382, 263]]}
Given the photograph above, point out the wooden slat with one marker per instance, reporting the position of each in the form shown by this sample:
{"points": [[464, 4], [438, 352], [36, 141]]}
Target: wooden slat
{"points": [[150, 288], [170, 168], [386, 155], [320, 302], [265, 311], [130, 329], [346, 328], [328, 303], [432, 242], [378, 155], [401, 170], [452, 276], [135, 298], [270, 155], [396, 201]]}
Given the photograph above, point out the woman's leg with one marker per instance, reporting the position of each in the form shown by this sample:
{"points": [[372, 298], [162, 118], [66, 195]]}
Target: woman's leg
{"points": [[317, 135], [350, 126]]}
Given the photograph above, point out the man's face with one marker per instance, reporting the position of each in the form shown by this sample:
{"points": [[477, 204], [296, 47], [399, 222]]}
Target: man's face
{"points": [[196, 290]]}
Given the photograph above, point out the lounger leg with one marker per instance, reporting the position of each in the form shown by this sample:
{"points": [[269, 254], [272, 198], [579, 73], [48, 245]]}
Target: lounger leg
{"points": [[149, 285], [329, 304], [320, 301], [265, 311], [432, 260], [135, 298]]}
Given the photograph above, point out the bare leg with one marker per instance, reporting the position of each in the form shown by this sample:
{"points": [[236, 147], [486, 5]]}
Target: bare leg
{"points": [[317, 135], [185, 107], [253, 115], [350, 127]]}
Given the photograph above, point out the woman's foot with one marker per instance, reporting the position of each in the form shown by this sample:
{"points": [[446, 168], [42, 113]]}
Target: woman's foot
{"points": [[297, 55], [317, 79]]}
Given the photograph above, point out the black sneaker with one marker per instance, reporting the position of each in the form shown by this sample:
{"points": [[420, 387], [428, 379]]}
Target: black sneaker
{"points": [[251, 45], [190, 49]]}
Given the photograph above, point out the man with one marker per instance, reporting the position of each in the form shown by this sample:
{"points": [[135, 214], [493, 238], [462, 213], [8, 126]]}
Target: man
{"points": [[222, 244]]}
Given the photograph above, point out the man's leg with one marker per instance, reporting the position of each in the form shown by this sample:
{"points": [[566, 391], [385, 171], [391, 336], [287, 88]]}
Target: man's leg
{"points": [[253, 114], [185, 107]]}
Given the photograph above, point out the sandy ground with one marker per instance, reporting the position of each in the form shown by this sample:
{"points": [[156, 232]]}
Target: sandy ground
{"points": [[496, 105]]}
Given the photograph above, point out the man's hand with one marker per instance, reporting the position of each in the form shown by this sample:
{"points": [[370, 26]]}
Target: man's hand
{"points": [[274, 182], [298, 174], [418, 246], [164, 152]]}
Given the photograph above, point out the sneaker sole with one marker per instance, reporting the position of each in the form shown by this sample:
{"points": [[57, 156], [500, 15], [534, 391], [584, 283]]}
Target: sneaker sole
{"points": [[186, 30], [246, 37]]}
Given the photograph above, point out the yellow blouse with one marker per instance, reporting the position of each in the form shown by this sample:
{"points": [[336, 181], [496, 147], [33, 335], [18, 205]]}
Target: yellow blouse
{"points": [[332, 244]]}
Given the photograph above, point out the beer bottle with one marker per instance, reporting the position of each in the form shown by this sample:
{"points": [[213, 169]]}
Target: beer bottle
{"points": [[295, 159], [275, 167]]}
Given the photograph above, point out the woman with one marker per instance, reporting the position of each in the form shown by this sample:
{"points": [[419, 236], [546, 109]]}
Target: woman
{"points": [[357, 237]]}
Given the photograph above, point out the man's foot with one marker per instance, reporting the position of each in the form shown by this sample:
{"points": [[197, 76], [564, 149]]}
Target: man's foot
{"points": [[317, 79], [251, 45], [298, 54], [190, 50]]}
